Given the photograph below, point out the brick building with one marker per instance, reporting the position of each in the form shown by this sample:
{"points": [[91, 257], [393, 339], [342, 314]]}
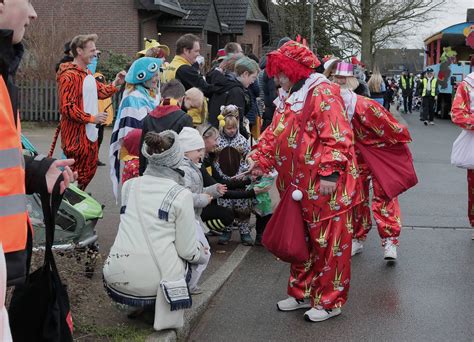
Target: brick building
{"points": [[123, 24]]}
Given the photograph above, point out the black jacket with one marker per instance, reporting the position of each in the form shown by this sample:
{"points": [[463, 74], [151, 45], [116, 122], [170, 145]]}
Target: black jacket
{"points": [[254, 92], [10, 58], [35, 169], [190, 78], [228, 90], [269, 95], [159, 120]]}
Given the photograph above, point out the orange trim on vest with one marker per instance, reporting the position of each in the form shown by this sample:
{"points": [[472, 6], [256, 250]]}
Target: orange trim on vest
{"points": [[13, 232], [13, 181], [13, 227]]}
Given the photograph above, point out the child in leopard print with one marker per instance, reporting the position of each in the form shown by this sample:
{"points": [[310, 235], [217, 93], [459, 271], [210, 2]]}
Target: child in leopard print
{"points": [[231, 150]]}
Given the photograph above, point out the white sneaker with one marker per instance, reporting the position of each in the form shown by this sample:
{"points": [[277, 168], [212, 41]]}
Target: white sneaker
{"points": [[291, 304], [357, 247], [316, 315], [432, 123], [390, 251]]}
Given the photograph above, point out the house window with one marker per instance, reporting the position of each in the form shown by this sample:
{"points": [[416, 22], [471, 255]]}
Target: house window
{"points": [[248, 48]]}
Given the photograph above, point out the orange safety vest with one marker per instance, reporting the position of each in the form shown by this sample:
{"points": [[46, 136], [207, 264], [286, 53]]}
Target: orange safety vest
{"points": [[13, 212]]}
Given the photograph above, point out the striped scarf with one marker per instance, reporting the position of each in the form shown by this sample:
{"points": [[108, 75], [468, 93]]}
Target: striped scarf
{"points": [[134, 106]]}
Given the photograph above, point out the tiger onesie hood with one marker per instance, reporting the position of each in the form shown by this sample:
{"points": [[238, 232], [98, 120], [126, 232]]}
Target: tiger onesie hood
{"points": [[78, 93]]}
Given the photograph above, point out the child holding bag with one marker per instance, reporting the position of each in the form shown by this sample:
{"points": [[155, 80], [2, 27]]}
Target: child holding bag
{"points": [[193, 146]]}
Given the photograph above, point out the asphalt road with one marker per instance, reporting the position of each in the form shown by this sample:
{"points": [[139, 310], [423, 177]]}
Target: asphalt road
{"points": [[426, 296]]}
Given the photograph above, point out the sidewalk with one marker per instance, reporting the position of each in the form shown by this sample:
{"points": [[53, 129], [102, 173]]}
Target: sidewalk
{"points": [[210, 286]]}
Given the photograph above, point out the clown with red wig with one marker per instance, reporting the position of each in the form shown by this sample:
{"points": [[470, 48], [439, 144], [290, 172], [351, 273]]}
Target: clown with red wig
{"points": [[322, 175]]}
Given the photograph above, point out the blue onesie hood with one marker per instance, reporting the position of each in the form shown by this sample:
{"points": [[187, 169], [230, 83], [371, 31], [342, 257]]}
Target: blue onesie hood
{"points": [[143, 70]]}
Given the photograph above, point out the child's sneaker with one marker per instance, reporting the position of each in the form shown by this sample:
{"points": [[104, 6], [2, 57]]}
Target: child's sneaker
{"points": [[319, 315], [246, 239], [225, 237], [291, 304]]}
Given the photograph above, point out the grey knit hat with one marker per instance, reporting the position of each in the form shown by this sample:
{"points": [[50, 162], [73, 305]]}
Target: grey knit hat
{"points": [[171, 158]]}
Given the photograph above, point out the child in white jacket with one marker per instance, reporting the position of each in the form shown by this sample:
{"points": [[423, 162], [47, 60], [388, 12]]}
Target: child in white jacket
{"points": [[193, 146], [156, 239]]}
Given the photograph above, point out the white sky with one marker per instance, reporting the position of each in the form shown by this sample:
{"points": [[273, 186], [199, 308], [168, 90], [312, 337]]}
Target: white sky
{"points": [[453, 12]]}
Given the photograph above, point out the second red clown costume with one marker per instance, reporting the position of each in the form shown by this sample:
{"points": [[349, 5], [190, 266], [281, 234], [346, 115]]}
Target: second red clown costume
{"points": [[374, 127], [325, 172]]}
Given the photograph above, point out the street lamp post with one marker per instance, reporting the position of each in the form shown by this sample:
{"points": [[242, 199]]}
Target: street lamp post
{"points": [[404, 57], [311, 41]]}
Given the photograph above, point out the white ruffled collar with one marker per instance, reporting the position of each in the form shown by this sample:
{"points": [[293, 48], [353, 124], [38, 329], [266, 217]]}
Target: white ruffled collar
{"points": [[350, 101], [470, 79], [296, 100], [312, 81]]}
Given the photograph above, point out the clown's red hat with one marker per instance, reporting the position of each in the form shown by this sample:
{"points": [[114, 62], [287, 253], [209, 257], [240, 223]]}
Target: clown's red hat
{"points": [[294, 60]]}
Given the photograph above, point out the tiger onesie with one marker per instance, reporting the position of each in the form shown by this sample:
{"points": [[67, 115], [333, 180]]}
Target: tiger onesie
{"points": [[78, 104]]}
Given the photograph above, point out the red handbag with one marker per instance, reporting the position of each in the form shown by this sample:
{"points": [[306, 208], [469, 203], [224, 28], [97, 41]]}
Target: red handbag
{"points": [[285, 233], [392, 166]]}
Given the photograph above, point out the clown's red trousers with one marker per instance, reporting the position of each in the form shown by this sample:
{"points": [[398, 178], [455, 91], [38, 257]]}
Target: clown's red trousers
{"points": [[470, 196], [325, 277], [386, 211]]}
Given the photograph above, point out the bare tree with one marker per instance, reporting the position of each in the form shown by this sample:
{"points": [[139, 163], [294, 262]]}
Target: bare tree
{"points": [[372, 24], [293, 18]]}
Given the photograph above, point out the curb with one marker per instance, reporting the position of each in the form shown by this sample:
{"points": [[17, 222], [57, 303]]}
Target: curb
{"points": [[200, 303]]}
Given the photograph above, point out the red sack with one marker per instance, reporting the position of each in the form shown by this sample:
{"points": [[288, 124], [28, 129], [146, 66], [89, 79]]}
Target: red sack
{"points": [[392, 166], [285, 233]]}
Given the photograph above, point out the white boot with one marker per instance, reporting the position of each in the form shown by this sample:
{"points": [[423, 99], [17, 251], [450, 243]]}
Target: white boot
{"points": [[291, 304], [390, 250], [357, 247]]}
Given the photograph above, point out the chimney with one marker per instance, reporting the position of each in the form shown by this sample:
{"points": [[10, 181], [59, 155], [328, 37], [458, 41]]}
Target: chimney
{"points": [[470, 14]]}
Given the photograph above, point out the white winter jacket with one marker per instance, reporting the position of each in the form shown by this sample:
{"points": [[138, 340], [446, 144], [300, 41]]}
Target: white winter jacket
{"points": [[130, 274]]}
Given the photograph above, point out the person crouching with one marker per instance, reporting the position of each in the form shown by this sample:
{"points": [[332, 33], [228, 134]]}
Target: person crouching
{"points": [[156, 239]]}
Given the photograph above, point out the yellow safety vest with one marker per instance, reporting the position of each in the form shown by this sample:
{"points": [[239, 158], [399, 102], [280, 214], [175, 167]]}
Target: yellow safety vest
{"points": [[170, 72], [404, 82], [433, 86]]}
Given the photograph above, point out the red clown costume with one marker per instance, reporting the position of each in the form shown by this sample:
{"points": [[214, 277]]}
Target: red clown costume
{"points": [[462, 114], [374, 126], [327, 153]]}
